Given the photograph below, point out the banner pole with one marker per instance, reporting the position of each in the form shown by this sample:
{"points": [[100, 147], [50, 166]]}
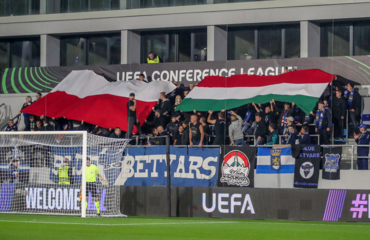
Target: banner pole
{"points": [[168, 160]]}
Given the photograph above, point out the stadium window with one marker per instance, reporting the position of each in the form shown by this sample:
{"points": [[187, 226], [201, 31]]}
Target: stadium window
{"points": [[25, 53], [74, 5], [4, 59], [245, 43], [91, 50], [104, 50], [72, 51], [292, 42], [335, 39], [241, 44], [4, 7], [175, 46], [361, 36], [269, 43]]}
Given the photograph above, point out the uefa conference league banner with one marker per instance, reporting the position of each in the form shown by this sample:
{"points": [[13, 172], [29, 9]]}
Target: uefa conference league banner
{"points": [[307, 165], [237, 167], [332, 159], [24, 80]]}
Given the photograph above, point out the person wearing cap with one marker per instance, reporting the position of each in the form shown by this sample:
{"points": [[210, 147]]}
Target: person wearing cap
{"points": [[354, 104], [323, 123], [290, 122], [362, 139], [65, 173], [92, 172], [339, 113], [13, 172], [132, 117]]}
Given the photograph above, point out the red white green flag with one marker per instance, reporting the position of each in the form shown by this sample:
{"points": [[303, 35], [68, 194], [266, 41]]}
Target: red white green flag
{"points": [[215, 93]]}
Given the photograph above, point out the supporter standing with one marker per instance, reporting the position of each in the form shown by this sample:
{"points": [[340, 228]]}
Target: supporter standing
{"points": [[354, 104], [26, 116], [292, 136], [304, 136], [172, 128], [260, 130], [273, 137], [362, 139], [235, 130], [185, 135], [339, 113], [117, 133], [132, 117], [220, 127], [178, 136], [284, 114], [196, 133], [323, 123], [206, 130]]}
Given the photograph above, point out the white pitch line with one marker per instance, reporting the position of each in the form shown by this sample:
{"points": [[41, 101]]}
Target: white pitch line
{"points": [[123, 224], [189, 222]]}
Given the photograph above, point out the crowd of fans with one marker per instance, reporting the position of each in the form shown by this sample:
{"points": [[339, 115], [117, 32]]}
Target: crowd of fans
{"points": [[262, 123]]}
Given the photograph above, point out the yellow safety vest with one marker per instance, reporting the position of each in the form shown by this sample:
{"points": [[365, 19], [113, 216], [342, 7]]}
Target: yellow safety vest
{"points": [[155, 60], [63, 175]]}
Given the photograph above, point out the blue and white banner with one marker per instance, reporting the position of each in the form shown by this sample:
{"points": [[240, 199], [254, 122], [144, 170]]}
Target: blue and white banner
{"points": [[190, 167], [275, 161], [144, 166]]}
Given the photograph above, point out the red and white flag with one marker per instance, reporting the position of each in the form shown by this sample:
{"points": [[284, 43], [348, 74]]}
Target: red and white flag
{"points": [[84, 95]]}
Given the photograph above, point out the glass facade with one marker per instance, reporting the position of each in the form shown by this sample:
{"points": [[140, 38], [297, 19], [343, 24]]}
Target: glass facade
{"points": [[76, 51], [335, 40], [20, 53], [175, 46], [27, 7], [263, 43], [361, 38]]}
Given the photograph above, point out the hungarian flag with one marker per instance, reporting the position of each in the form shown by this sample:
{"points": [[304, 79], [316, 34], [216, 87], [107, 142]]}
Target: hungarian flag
{"points": [[216, 93], [84, 95]]}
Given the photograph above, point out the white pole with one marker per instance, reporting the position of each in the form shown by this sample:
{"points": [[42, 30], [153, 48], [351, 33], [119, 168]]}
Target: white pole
{"points": [[83, 176]]}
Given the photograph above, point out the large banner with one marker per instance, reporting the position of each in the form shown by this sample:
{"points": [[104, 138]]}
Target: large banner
{"points": [[237, 167], [43, 79], [332, 160], [250, 203], [307, 166], [55, 198], [190, 167]]}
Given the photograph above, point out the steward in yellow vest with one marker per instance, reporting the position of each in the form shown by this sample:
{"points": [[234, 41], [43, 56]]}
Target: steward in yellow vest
{"points": [[65, 173], [153, 58]]}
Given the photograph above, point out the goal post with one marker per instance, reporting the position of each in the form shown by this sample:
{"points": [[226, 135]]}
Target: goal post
{"points": [[60, 173]]}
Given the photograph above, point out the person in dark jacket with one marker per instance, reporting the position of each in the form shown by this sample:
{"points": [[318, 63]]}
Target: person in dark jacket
{"points": [[260, 131], [304, 136], [116, 134], [273, 137], [172, 128], [354, 104], [323, 123], [339, 113], [132, 119], [178, 136], [13, 172], [185, 135], [12, 127], [220, 127], [362, 139], [158, 120], [292, 136]]}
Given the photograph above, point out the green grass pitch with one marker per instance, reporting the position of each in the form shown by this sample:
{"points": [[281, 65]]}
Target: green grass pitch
{"points": [[39, 227]]}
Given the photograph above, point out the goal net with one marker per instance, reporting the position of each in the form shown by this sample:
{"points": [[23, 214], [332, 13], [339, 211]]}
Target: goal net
{"points": [[67, 173]]}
